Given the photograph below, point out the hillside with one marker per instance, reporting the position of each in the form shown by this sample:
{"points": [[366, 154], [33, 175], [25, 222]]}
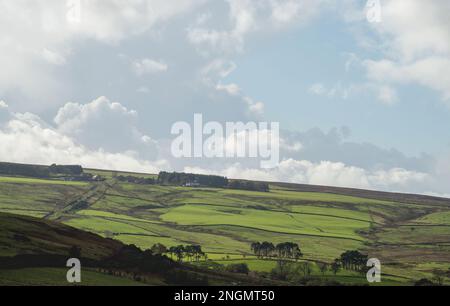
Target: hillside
{"points": [[27, 235], [34, 252], [410, 234]]}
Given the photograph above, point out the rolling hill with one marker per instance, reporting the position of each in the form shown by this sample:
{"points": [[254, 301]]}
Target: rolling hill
{"points": [[410, 234]]}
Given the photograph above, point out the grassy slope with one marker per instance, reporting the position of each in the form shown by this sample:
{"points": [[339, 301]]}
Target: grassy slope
{"points": [[20, 235], [224, 222], [57, 277], [42, 236], [52, 238]]}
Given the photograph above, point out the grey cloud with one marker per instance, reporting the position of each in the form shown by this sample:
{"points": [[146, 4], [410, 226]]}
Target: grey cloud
{"points": [[318, 145]]}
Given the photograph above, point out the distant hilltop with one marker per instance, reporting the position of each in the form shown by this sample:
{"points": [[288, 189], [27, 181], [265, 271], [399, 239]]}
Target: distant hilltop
{"points": [[63, 172], [76, 173]]}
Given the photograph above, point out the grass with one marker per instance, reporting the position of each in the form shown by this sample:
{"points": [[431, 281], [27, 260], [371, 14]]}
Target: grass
{"points": [[436, 218], [285, 223], [42, 236], [103, 225], [111, 215], [23, 180], [34, 196], [408, 238]]}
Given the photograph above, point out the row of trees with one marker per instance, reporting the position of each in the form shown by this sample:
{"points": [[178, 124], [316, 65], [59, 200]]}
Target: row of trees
{"points": [[129, 261], [191, 252], [66, 169], [24, 170], [353, 260], [188, 179], [285, 250], [183, 179], [40, 171]]}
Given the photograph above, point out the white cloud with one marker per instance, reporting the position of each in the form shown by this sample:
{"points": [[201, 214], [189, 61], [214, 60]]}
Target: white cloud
{"points": [[102, 124], [242, 17], [387, 95], [217, 69], [285, 12], [325, 173], [414, 37], [36, 35], [318, 89], [53, 57], [254, 107], [149, 66], [415, 28], [247, 17], [384, 93], [432, 72], [4, 112], [112, 21], [232, 89], [25, 139]]}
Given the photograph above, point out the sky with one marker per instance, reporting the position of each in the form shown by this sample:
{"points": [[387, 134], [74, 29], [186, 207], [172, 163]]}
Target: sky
{"points": [[361, 89]]}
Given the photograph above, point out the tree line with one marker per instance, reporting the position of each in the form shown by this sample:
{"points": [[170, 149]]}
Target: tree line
{"points": [[189, 179], [191, 252], [40, 171], [24, 170], [182, 179]]}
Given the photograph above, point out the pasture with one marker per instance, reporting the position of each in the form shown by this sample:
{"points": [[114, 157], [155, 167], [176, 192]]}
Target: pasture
{"points": [[411, 239]]}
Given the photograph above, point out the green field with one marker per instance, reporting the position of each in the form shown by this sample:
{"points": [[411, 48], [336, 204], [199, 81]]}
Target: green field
{"points": [[410, 238], [33, 181]]}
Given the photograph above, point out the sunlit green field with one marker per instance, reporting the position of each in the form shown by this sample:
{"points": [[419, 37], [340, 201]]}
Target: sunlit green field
{"points": [[22, 180], [411, 239]]}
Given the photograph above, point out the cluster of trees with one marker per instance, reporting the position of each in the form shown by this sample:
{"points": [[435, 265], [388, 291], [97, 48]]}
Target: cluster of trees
{"points": [[132, 262], [191, 252], [39, 171], [183, 179], [188, 179], [136, 180], [285, 250], [353, 260], [66, 170], [249, 185]]}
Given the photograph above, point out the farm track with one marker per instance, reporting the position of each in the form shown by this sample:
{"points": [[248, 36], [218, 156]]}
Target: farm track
{"points": [[90, 196]]}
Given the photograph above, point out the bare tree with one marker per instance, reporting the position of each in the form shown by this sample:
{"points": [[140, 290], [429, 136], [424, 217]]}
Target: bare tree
{"points": [[305, 268], [323, 267]]}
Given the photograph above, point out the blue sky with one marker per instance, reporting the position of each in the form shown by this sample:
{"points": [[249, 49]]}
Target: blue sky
{"points": [[360, 104], [418, 122]]}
